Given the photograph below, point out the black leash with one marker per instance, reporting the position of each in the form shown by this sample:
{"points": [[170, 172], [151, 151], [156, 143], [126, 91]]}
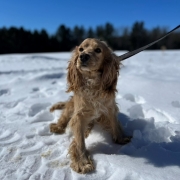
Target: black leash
{"points": [[132, 53]]}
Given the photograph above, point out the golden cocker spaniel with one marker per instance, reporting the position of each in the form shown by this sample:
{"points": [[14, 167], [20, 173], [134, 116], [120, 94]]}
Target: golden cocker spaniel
{"points": [[92, 76]]}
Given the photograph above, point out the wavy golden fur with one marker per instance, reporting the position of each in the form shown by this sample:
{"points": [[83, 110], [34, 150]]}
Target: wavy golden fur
{"points": [[92, 76]]}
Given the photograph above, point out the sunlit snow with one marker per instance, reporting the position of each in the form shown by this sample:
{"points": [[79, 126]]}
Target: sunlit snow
{"points": [[149, 101]]}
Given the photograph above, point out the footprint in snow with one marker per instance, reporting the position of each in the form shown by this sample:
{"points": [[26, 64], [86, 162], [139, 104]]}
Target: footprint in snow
{"points": [[13, 104], [4, 91], [35, 89], [134, 98], [49, 92], [42, 116], [175, 104], [36, 108], [8, 138], [50, 76], [5, 135], [34, 149]]}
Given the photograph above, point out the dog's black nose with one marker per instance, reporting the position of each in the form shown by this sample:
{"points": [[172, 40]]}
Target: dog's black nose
{"points": [[84, 57]]}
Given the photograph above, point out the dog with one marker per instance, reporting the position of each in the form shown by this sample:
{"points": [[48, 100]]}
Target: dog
{"points": [[92, 77]]}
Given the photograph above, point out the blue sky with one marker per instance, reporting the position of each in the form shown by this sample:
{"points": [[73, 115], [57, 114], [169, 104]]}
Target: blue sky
{"points": [[49, 14]]}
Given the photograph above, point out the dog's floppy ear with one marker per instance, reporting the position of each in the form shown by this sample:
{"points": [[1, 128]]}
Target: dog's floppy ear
{"points": [[110, 72], [74, 77]]}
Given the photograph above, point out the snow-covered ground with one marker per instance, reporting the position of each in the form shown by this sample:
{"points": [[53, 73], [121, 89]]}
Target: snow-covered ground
{"points": [[149, 101]]}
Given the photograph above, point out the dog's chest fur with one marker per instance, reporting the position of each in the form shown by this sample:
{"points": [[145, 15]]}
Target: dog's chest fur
{"points": [[92, 97], [91, 88]]}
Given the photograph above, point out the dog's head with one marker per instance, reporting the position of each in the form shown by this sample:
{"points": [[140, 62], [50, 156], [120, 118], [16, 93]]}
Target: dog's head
{"points": [[93, 56]]}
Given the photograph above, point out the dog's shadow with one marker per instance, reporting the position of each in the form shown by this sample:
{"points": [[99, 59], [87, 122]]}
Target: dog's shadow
{"points": [[147, 142]]}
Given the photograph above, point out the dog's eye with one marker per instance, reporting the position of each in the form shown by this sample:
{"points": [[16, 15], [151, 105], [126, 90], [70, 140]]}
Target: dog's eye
{"points": [[81, 49], [97, 50]]}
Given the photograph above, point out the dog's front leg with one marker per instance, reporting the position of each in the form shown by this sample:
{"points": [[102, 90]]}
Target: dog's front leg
{"points": [[80, 159], [68, 109]]}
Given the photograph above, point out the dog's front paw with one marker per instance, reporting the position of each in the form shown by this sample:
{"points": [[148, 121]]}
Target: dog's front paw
{"points": [[58, 106], [55, 128], [52, 109], [83, 166]]}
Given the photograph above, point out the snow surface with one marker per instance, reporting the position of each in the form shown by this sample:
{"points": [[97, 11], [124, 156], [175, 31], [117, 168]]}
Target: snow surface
{"points": [[149, 101]]}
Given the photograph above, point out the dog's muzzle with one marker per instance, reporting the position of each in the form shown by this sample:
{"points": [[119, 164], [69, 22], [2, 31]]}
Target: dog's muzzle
{"points": [[84, 59]]}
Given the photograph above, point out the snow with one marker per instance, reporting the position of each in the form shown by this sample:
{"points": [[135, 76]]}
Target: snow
{"points": [[149, 101]]}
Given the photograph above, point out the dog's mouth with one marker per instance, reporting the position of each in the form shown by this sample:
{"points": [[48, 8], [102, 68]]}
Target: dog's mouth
{"points": [[84, 65]]}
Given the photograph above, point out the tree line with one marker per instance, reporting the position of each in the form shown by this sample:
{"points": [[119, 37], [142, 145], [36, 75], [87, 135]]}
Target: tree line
{"points": [[19, 40]]}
